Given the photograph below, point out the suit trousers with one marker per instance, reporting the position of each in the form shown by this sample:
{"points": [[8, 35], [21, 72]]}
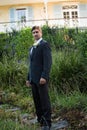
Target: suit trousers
{"points": [[42, 103]]}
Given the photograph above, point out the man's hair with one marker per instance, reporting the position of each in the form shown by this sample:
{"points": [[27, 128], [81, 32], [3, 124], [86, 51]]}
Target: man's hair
{"points": [[36, 27]]}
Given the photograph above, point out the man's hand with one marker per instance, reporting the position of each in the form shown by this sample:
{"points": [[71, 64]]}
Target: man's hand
{"points": [[28, 83], [42, 81]]}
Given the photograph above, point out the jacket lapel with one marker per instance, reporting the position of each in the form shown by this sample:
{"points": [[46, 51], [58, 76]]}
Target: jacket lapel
{"points": [[32, 50]]}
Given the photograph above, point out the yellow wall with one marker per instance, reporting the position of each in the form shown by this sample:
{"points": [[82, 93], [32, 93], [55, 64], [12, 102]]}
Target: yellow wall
{"points": [[39, 12], [38, 9], [15, 2], [4, 14]]}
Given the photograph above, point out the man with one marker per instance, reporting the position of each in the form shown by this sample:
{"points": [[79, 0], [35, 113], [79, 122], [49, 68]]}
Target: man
{"points": [[40, 64]]}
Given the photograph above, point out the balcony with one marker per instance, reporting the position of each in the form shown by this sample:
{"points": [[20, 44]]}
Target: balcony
{"points": [[8, 26]]}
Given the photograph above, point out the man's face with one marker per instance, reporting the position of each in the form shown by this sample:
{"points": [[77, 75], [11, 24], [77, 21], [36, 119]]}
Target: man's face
{"points": [[37, 34]]}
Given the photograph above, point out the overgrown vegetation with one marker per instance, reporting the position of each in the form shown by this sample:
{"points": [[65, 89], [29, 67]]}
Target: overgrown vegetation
{"points": [[69, 51], [68, 77]]}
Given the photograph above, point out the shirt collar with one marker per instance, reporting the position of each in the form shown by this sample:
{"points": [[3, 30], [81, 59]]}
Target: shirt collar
{"points": [[38, 41]]}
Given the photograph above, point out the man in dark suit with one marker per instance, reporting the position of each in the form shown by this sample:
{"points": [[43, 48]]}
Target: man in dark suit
{"points": [[38, 76]]}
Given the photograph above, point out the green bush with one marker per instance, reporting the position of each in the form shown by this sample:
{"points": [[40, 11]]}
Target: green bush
{"points": [[68, 72], [12, 72], [16, 43], [69, 69], [23, 42], [81, 44]]}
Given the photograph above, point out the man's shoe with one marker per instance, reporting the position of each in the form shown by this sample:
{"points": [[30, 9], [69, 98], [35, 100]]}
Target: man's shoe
{"points": [[45, 128]]}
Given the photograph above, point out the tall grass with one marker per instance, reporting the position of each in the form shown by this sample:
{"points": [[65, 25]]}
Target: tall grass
{"points": [[14, 125], [68, 74], [72, 100], [12, 72], [68, 71]]}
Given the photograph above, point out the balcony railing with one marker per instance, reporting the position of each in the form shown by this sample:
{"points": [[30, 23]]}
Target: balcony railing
{"points": [[8, 26]]}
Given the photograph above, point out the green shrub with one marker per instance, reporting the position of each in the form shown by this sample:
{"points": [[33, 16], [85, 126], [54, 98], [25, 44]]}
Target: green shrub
{"points": [[16, 43], [69, 69], [12, 72], [81, 44], [68, 72], [23, 42]]}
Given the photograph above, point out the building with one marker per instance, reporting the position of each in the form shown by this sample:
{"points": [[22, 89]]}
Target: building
{"points": [[21, 13]]}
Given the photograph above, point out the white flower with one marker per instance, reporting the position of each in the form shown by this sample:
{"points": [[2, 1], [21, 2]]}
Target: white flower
{"points": [[35, 44]]}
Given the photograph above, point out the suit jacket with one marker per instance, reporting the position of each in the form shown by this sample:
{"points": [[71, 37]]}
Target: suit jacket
{"points": [[40, 62]]}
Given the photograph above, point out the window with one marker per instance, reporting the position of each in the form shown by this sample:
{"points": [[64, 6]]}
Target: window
{"points": [[21, 15], [66, 15], [74, 14], [70, 11], [70, 14]]}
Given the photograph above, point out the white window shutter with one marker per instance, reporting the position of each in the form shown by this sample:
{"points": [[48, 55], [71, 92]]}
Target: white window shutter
{"points": [[30, 16], [83, 10], [57, 11], [12, 15], [83, 15], [30, 13]]}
